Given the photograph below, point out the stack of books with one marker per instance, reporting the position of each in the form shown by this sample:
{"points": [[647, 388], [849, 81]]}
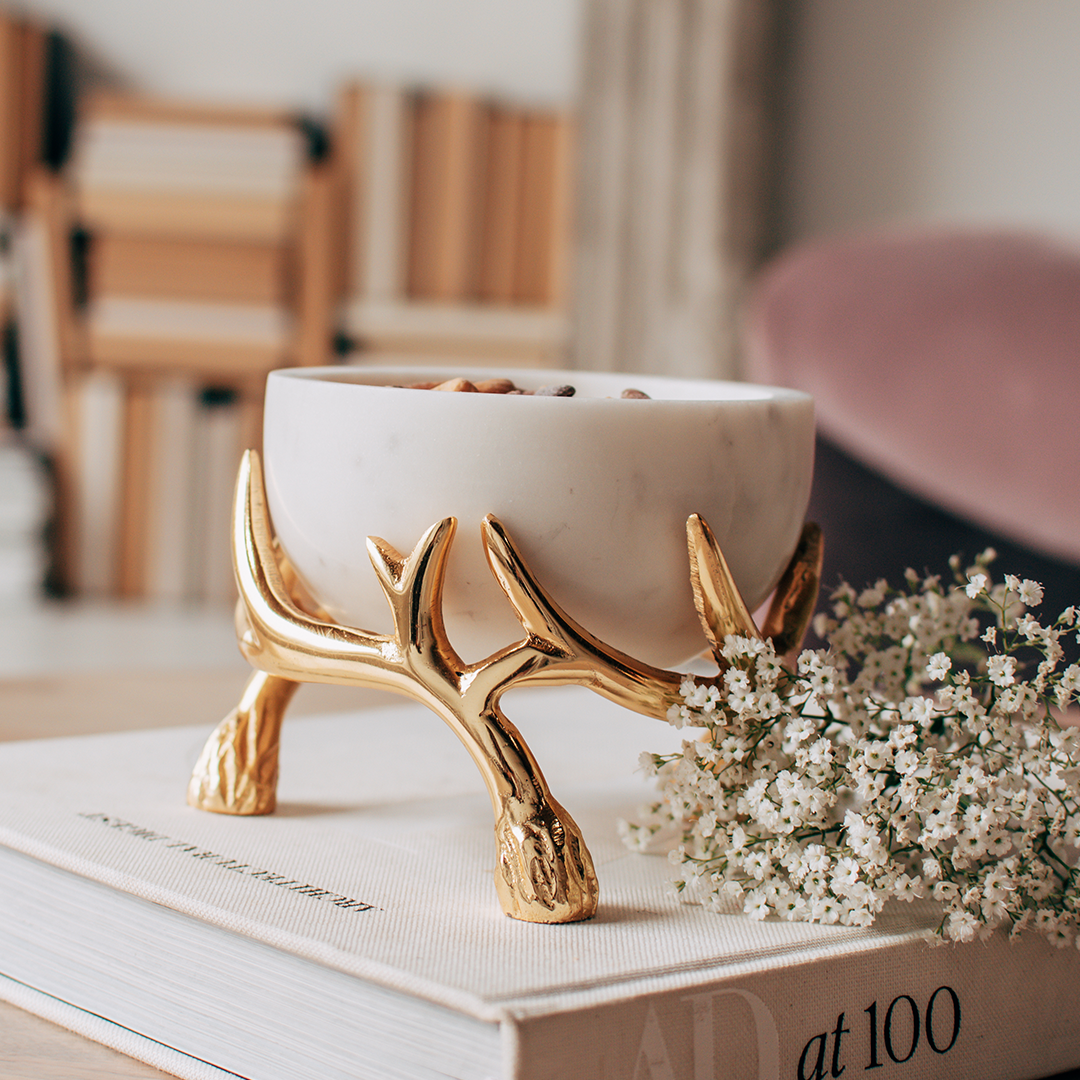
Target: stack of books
{"points": [[198, 269], [459, 214], [190, 215], [356, 934]]}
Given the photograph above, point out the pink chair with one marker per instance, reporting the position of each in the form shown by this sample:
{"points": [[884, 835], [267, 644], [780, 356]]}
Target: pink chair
{"points": [[945, 366]]}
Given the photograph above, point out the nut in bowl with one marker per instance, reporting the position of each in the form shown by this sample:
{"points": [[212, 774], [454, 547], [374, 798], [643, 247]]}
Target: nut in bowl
{"points": [[592, 562], [594, 489]]}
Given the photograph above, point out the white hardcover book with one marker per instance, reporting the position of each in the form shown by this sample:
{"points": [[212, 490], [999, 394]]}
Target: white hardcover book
{"points": [[357, 934]]}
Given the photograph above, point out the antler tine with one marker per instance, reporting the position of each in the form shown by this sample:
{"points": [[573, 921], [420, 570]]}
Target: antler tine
{"points": [[566, 651], [280, 638], [413, 586], [719, 603], [795, 598]]}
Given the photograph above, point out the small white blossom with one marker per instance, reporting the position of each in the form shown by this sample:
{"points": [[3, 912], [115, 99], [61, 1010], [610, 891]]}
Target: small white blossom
{"points": [[1002, 670], [938, 666], [976, 584]]}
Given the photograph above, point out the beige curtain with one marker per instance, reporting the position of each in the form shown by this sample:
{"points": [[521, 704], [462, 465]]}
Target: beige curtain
{"points": [[677, 139]]}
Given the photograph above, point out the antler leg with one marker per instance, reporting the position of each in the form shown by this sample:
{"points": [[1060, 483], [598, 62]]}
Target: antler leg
{"points": [[545, 873], [237, 770]]}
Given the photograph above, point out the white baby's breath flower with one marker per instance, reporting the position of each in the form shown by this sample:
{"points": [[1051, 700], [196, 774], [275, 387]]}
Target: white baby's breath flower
{"points": [[871, 597], [908, 756], [648, 763], [938, 666], [1029, 592], [1002, 670]]}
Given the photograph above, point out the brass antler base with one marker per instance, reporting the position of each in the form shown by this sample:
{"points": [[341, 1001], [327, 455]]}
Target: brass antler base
{"points": [[545, 873], [237, 771]]}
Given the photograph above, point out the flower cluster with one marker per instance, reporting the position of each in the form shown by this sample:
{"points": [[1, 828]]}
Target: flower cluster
{"points": [[920, 754]]}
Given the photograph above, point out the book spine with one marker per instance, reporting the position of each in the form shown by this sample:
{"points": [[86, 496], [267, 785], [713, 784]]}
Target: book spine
{"points": [[315, 272], [9, 112], [219, 431], [251, 219], [382, 196], [33, 56], [185, 269], [446, 196], [97, 407], [136, 474], [37, 313], [169, 536], [996, 1010], [502, 205], [541, 256], [348, 144]]}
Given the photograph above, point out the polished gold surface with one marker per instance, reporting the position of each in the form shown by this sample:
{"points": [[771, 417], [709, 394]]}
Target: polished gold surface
{"points": [[237, 770], [545, 872], [793, 602]]}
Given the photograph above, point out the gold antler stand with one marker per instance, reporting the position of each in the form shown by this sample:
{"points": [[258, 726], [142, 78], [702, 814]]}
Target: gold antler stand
{"points": [[545, 872]]}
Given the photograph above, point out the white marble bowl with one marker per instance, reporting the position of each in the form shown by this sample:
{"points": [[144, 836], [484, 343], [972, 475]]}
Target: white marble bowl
{"points": [[594, 489]]}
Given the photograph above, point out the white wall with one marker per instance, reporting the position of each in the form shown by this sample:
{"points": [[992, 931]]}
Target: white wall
{"points": [[955, 110], [294, 52]]}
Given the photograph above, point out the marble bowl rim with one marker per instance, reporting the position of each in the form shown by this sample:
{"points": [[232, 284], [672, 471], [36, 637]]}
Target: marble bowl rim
{"points": [[707, 393]]}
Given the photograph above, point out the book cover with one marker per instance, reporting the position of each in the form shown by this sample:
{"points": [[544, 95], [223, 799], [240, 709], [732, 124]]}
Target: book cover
{"points": [[356, 933]]}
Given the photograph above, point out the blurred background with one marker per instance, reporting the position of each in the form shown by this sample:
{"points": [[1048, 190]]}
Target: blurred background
{"points": [[193, 194]]}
